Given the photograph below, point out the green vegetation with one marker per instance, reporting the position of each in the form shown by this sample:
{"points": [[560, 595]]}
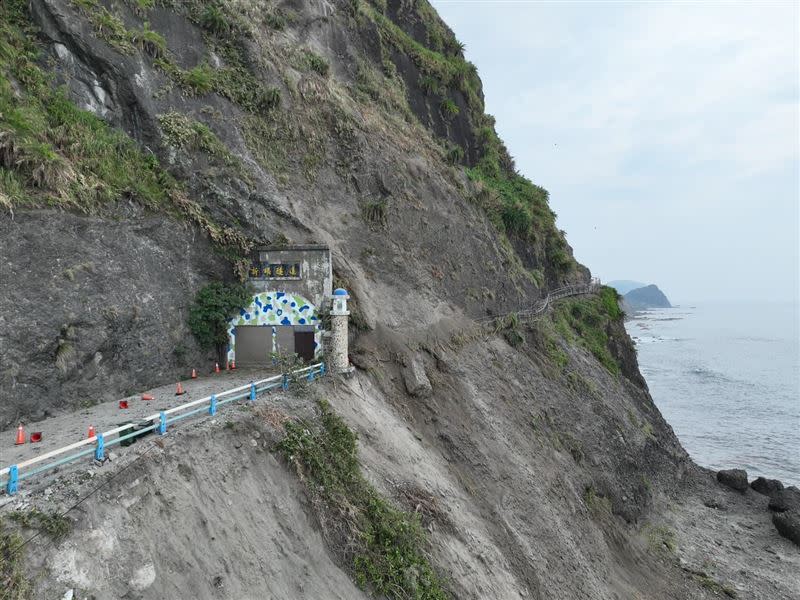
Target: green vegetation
{"points": [[213, 19], [586, 320], [383, 545], [149, 41], [660, 538], [213, 307], [449, 108], [597, 504], [314, 62], [276, 20], [510, 327], [54, 524], [375, 212], [53, 154], [198, 80], [455, 155], [714, 586], [13, 582], [515, 205], [184, 132]]}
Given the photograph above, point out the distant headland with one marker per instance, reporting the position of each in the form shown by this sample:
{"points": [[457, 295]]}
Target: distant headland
{"points": [[640, 296]]}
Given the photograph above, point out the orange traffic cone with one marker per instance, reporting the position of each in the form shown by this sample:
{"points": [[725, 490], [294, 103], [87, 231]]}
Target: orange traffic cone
{"points": [[179, 390], [233, 365], [216, 367], [91, 431], [148, 397], [20, 436], [194, 374]]}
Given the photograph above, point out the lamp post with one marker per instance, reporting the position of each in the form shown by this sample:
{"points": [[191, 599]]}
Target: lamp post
{"points": [[339, 362]]}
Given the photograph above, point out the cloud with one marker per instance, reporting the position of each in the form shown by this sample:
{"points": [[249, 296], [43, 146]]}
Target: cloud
{"points": [[652, 122]]}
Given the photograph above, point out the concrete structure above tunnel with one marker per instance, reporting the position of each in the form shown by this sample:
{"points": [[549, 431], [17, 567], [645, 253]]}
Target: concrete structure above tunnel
{"points": [[293, 286]]}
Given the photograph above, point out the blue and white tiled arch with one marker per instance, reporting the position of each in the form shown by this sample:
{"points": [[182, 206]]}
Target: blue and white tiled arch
{"points": [[273, 308]]}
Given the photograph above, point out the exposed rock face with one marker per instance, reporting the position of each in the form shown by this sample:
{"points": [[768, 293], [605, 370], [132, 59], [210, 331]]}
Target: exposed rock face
{"points": [[766, 486], [549, 463], [351, 158], [788, 525], [733, 478], [416, 381], [785, 500]]}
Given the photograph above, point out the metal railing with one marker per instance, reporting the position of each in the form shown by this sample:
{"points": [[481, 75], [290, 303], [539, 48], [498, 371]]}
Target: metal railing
{"points": [[157, 422], [540, 306]]}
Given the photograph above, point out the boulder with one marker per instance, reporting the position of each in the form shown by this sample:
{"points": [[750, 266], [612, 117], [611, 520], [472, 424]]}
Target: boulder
{"points": [[415, 379], [786, 499], [766, 486], [733, 478], [788, 525]]}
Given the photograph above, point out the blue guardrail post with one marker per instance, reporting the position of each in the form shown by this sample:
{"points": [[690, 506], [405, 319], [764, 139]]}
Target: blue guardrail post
{"points": [[100, 450], [321, 369], [162, 423], [13, 480], [252, 392], [285, 383], [212, 408], [310, 375]]}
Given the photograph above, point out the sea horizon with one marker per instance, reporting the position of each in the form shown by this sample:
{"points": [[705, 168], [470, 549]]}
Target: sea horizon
{"points": [[727, 380]]}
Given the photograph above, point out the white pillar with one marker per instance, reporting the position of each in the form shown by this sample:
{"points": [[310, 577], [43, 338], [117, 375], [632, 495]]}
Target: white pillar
{"points": [[339, 362]]}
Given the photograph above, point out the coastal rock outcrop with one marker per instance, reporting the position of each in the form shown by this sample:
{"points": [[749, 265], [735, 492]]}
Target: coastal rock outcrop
{"points": [[785, 500], [733, 478], [788, 525], [765, 486]]}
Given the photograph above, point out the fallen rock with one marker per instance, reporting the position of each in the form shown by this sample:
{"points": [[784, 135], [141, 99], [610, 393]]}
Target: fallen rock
{"points": [[143, 578], [766, 486], [733, 478], [786, 499], [415, 379], [788, 525]]}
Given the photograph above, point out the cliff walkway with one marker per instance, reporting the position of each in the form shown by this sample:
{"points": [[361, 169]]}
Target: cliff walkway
{"points": [[539, 307]]}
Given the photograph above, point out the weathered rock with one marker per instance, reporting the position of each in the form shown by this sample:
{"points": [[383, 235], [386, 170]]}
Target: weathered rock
{"points": [[143, 578], [415, 379], [766, 486], [786, 499], [733, 478], [788, 525]]}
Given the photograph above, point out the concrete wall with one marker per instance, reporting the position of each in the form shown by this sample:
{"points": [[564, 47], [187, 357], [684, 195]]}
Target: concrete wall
{"points": [[315, 281]]}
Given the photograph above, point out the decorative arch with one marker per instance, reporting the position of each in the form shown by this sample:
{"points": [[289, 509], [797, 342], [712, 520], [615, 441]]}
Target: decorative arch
{"points": [[273, 308]]}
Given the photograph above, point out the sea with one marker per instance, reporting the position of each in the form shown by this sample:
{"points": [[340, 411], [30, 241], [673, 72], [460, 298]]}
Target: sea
{"points": [[726, 376]]}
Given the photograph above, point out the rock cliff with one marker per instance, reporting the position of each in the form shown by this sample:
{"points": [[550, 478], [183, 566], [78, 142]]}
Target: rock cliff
{"points": [[146, 145]]}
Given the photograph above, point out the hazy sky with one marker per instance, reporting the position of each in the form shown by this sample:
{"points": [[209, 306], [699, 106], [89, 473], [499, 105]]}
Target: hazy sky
{"points": [[666, 132]]}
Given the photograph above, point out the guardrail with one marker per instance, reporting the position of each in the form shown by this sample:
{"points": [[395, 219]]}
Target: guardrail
{"points": [[158, 422], [540, 306]]}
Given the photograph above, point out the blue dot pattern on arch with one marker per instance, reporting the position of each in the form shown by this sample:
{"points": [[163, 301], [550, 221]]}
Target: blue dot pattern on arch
{"points": [[294, 310]]}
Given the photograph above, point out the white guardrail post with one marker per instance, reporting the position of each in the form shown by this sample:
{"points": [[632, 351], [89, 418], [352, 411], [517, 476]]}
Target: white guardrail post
{"points": [[157, 422]]}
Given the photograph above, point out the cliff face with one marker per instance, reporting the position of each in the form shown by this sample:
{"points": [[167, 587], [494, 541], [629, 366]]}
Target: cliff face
{"points": [[312, 122], [207, 127]]}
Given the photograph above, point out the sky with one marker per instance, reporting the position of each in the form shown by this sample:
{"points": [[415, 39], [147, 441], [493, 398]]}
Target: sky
{"points": [[667, 133]]}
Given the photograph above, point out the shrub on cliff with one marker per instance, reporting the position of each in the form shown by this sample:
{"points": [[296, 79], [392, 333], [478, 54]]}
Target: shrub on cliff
{"points": [[211, 310]]}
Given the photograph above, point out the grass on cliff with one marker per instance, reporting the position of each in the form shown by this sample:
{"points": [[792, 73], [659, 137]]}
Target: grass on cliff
{"points": [[585, 320], [384, 546], [13, 580], [52, 154]]}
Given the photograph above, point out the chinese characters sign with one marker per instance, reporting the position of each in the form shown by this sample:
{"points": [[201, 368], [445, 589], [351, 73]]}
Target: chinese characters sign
{"points": [[274, 271]]}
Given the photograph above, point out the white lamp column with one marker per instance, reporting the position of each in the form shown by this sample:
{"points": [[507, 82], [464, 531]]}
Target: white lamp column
{"points": [[339, 362]]}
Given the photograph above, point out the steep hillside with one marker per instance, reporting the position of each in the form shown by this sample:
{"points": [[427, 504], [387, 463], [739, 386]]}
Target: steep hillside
{"points": [[248, 122], [146, 145]]}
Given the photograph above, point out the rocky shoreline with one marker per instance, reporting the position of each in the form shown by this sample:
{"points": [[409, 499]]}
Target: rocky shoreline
{"points": [[784, 502]]}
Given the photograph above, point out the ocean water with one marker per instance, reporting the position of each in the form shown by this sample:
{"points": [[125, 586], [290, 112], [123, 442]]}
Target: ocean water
{"points": [[727, 378]]}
